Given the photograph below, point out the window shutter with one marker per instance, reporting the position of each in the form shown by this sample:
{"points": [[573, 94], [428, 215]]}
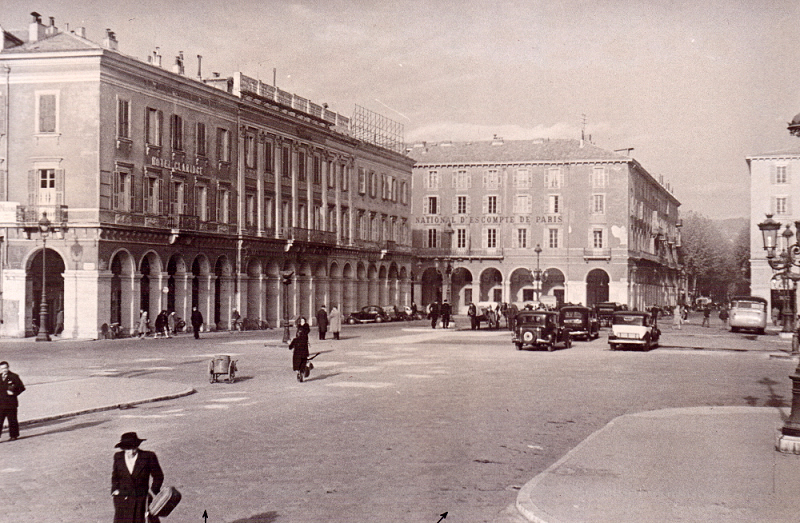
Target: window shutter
{"points": [[115, 190], [789, 205], [59, 186], [187, 195], [160, 128], [136, 193], [485, 238], [788, 173], [469, 205], [485, 179], [485, 204], [453, 179], [161, 195], [454, 206], [498, 206], [528, 204], [469, 180], [772, 173], [515, 239], [33, 186], [231, 207]]}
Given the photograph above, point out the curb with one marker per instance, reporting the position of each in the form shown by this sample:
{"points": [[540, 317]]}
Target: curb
{"points": [[44, 419]]}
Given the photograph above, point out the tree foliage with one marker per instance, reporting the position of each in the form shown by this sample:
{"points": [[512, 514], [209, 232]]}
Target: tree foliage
{"points": [[714, 264]]}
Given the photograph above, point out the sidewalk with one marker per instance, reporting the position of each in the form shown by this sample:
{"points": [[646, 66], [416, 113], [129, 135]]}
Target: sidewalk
{"points": [[47, 399], [695, 464]]}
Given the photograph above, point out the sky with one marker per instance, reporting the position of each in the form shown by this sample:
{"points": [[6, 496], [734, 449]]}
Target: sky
{"points": [[693, 87]]}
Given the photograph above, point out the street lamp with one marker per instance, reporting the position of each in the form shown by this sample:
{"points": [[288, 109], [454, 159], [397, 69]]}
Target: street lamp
{"points": [[286, 280], [44, 230], [789, 440], [782, 262], [537, 274]]}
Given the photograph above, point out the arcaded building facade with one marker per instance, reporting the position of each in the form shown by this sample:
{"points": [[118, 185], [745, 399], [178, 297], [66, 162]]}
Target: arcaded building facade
{"points": [[171, 191], [607, 230]]}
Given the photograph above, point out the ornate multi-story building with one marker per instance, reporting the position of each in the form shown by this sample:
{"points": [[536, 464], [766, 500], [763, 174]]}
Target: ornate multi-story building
{"points": [[167, 192], [550, 220]]}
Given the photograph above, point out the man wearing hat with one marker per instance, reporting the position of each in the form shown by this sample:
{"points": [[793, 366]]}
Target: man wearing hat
{"points": [[10, 387], [130, 479]]}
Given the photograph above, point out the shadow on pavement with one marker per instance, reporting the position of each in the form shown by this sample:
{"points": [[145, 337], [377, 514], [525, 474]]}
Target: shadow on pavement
{"points": [[322, 376], [266, 517], [70, 428]]}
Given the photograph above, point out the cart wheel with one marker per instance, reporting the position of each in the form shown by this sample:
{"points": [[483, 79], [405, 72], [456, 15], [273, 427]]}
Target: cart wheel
{"points": [[211, 377], [231, 372], [519, 346]]}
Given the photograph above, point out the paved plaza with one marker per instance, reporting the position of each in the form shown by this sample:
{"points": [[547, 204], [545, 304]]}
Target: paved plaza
{"points": [[397, 422]]}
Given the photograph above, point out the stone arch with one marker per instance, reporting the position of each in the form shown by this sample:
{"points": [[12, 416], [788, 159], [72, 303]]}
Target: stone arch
{"points": [[223, 292], [431, 286], [383, 286], [362, 290], [53, 285], [254, 305], [597, 281], [462, 291], [273, 293], [177, 283], [372, 285], [554, 284], [521, 285], [335, 285], [150, 277], [122, 295], [349, 288], [491, 285]]}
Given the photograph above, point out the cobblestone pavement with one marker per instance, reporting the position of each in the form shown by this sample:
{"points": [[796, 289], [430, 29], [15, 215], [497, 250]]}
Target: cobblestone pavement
{"points": [[397, 423]]}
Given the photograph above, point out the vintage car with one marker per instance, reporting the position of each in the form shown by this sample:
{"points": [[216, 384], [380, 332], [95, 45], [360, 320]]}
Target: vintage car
{"points": [[580, 321], [540, 329], [633, 329], [605, 311], [748, 313], [370, 313], [394, 313]]}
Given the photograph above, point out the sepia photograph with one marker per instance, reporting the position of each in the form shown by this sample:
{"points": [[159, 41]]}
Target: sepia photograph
{"points": [[342, 261]]}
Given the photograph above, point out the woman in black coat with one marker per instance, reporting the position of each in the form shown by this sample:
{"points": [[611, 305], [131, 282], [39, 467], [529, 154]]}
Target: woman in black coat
{"points": [[300, 346]]}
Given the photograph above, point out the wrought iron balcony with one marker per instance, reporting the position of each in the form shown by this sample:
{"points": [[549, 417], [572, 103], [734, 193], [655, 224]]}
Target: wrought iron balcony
{"points": [[596, 254]]}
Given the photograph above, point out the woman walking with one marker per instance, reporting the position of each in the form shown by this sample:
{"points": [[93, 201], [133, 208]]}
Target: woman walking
{"points": [[300, 347], [335, 320], [677, 317]]}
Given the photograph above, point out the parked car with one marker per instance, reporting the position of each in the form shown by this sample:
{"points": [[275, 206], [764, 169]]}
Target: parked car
{"points": [[409, 315], [748, 312], [633, 329], [369, 313], [581, 322], [393, 313], [540, 329], [605, 311]]}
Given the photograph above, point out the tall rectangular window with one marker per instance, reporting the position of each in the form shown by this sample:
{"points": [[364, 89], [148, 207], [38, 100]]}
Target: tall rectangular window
{"points": [[552, 179], [432, 238], [153, 125], [462, 180], [597, 239], [250, 210], [599, 177], [123, 118], [373, 184], [46, 112], [344, 172], [522, 179], [269, 212], [223, 145], [317, 173], [432, 205], [152, 195], [461, 205], [781, 205], [301, 166], [432, 180], [201, 202], [522, 238], [177, 198], [286, 162], [781, 174], [223, 205], [552, 238], [250, 151], [554, 206], [491, 179], [598, 204], [362, 181], [491, 238], [122, 191], [491, 204], [47, 187], [176, 132], [461, 238], [522, 204], [269, 157], [200, 139]]}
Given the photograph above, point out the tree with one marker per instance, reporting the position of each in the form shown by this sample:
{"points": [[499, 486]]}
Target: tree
{"points": [[712, 262]]}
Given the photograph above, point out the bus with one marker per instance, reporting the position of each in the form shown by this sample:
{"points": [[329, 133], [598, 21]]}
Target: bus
{"points": [[748, 313]]}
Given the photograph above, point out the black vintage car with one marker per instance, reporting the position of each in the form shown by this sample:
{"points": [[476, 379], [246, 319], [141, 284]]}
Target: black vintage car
{"points": [[540, 329], [370, 313], [605, 311], [581, 322]]}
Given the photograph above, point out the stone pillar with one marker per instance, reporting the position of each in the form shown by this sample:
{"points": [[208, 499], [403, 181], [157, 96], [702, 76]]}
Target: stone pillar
{"points": [[81, 304], [14, 303]]}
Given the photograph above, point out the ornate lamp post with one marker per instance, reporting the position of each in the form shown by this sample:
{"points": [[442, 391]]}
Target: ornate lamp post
{"points": [[44, 230], [782, 262], [789, 440], [286, 280], [537, 274]]}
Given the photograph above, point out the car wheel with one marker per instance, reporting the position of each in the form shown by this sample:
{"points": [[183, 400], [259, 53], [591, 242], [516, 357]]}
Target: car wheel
{"points": [[378, 319], [761, 331], [519, 346], [613, 346], [568, 344], [351, 321]]}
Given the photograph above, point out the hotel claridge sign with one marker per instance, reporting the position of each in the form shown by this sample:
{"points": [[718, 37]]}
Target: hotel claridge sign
{"points": [[128, 185]]}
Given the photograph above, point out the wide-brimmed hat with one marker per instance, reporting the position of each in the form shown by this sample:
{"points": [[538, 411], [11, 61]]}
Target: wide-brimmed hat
{"points": [[129, 440]]}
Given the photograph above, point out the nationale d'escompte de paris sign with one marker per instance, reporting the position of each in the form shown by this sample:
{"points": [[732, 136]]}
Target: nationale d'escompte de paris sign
{"points": [[486, 220]]}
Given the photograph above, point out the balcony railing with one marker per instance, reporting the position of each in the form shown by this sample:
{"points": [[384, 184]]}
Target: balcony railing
{"points": [[184, 222], [29, 216], [596, 254], [307, 235]]}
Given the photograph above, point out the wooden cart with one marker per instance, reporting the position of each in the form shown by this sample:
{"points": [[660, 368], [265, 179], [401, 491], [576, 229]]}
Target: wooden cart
{"points": [[222, 364]]}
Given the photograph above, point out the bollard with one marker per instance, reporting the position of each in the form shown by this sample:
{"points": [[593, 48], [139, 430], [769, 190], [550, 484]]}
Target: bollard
{"points": [[795, 343]]}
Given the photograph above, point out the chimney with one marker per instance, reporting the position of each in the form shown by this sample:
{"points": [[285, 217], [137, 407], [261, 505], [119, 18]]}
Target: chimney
{"points": [[497, 140], [178, 67], [36, 31], [199, 67], [81, 32], [52, 29], [110, 41]]}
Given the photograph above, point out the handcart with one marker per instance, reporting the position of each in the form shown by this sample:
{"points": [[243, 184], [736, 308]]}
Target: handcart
{"points": [[222, 364]]}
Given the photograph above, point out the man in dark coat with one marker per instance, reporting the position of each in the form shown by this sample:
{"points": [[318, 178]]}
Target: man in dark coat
{"points": [[10, 387], [446, 310], [130, 480], [322, 322], [433, 313], [197, 322]]}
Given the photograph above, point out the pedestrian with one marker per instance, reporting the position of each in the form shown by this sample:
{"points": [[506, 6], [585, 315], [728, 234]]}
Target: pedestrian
{"points": [[322, 322], [130, 480], [677, 318], [300, 347], [10, 387], [171, 322], [706, 317], [236, 324], [723, 315], [59, 322], [143, 323], [335, 320], [197, 322], [472, 312], [511, 315], [161, 325], [433, 313], [446, 310]]}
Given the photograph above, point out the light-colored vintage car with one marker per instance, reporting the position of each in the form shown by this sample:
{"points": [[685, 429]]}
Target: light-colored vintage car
{"points": [[633, 329]]}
